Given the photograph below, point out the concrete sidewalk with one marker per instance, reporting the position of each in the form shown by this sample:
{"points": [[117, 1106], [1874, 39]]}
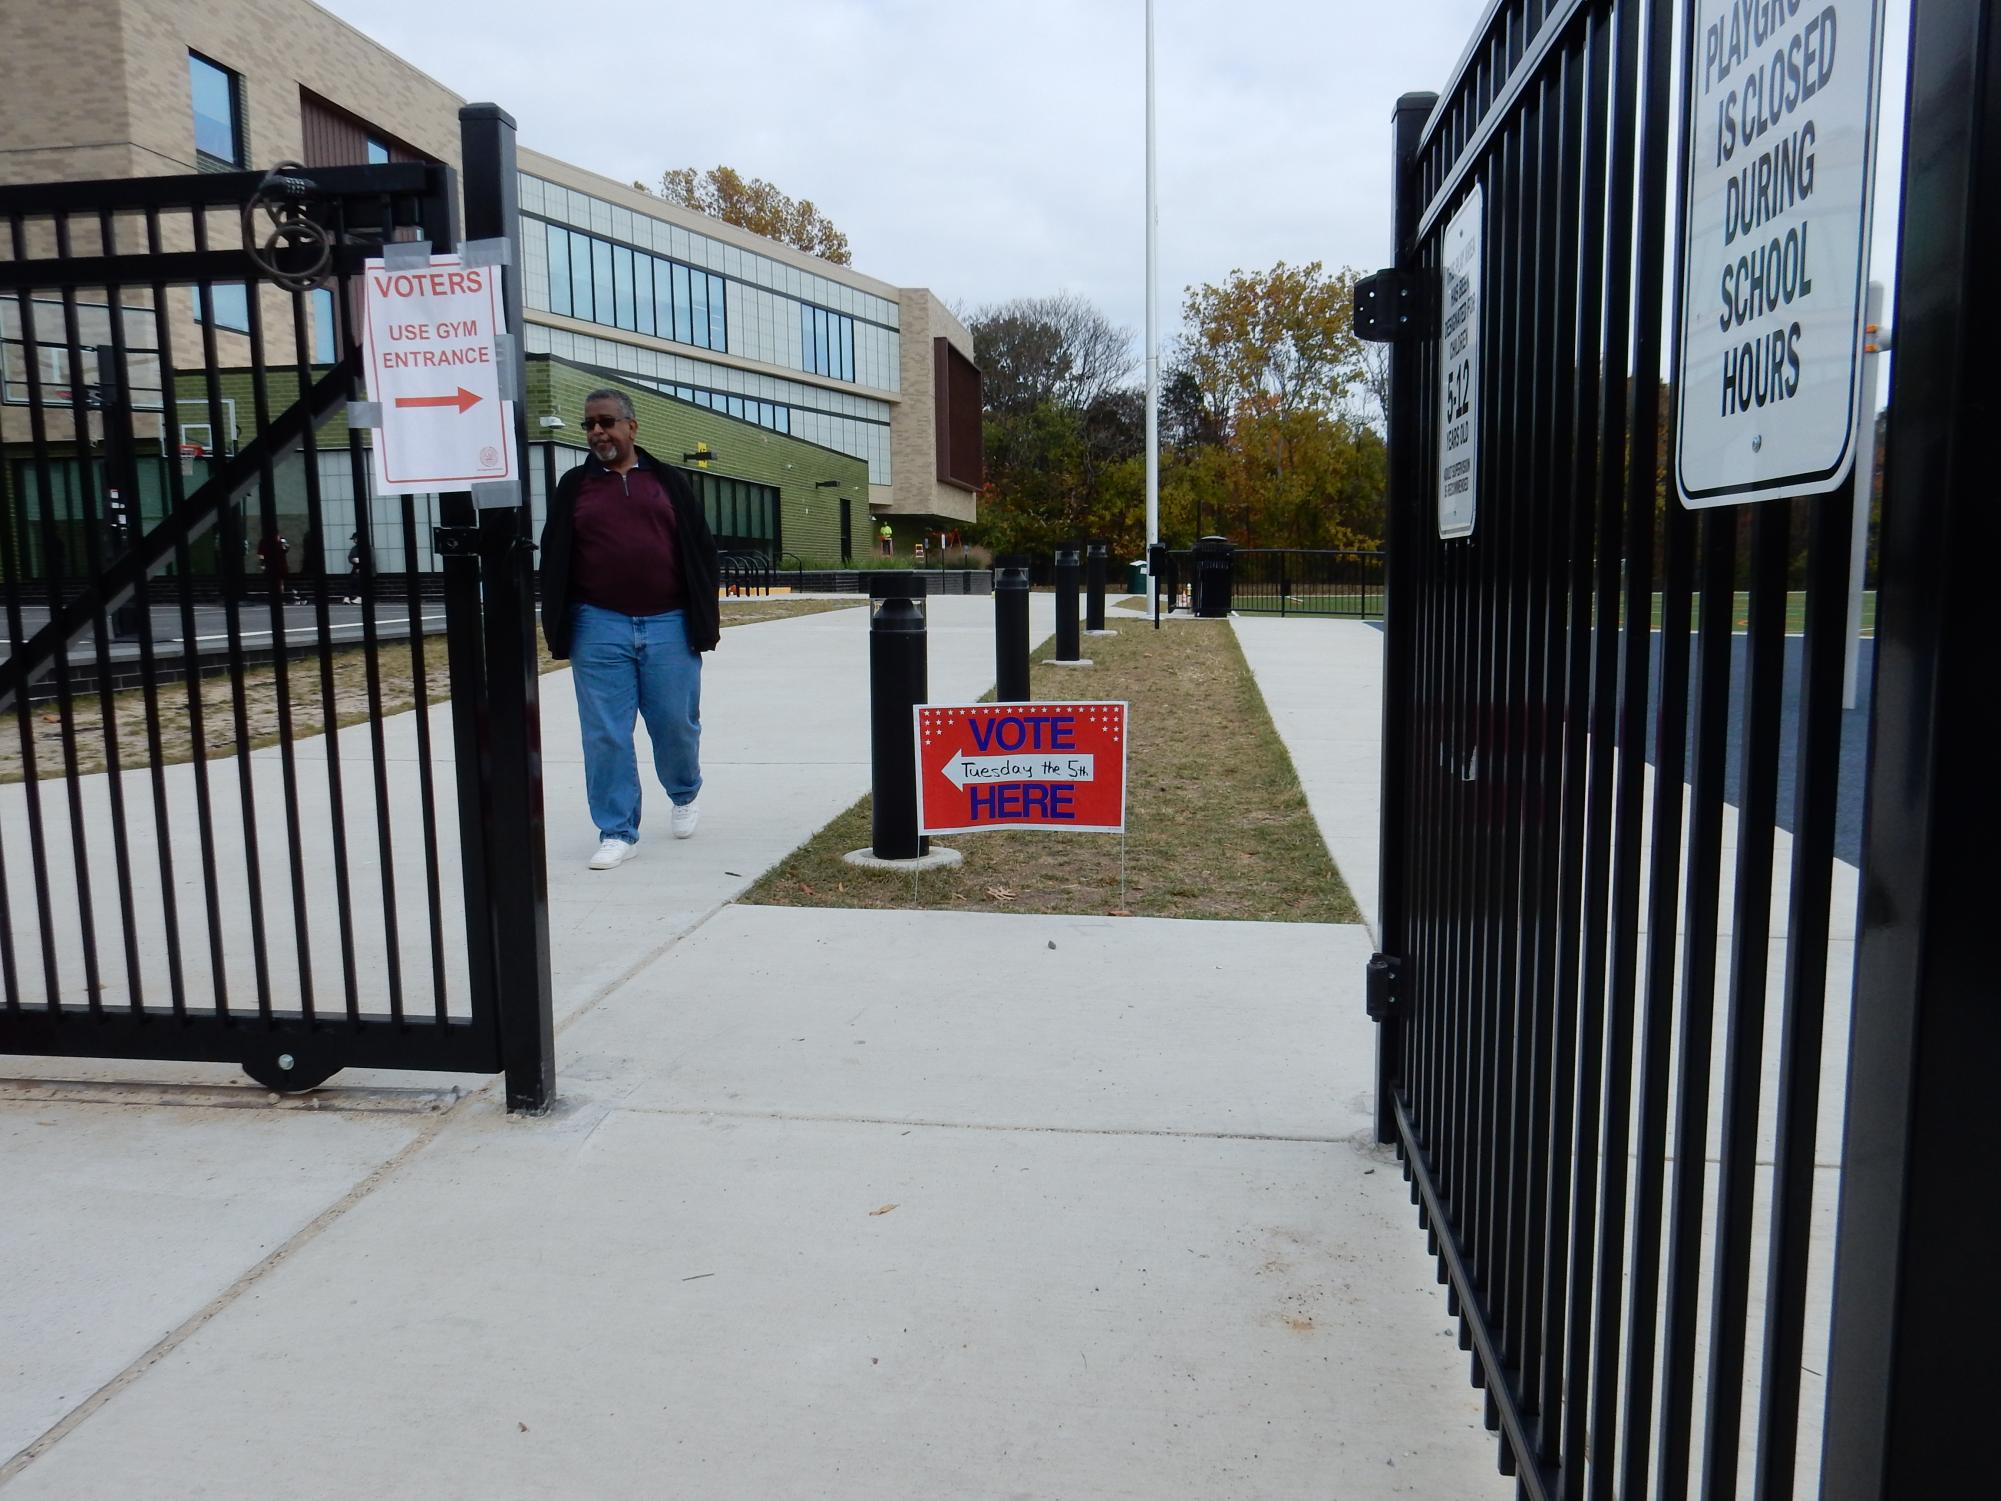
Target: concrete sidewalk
{"points": [[836, 1203]]}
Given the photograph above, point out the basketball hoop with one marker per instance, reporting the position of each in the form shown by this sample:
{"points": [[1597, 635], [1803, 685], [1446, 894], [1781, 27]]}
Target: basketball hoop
{"points": [[189, 453]]}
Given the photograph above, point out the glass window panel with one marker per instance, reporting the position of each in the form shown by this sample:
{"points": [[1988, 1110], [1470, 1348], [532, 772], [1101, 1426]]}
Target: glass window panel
{"points": [[559, 269], [214, 91], [701, 308], [784, 423], [718, 320], [231, 304], [684, 309], [663, 299], [323, 326], [642, 291], [604, 299], [378, 153], [580, 275], [622, 290]]}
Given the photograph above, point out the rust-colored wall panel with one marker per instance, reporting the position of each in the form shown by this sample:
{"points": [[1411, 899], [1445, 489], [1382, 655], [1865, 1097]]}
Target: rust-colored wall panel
{"points": [[957, 403]]}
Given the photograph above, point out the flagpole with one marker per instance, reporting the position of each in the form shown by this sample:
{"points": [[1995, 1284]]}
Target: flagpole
{"points": [[1152, 331]]}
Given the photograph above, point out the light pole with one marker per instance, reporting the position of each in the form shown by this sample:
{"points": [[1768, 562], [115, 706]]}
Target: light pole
{"points": [[1152, 331]]}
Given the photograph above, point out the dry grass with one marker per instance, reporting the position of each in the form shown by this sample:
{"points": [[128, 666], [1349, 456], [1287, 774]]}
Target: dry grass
{"points": [[1217, 825], [262, 723]]}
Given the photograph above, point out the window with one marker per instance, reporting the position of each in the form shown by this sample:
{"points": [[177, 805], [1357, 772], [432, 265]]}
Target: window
{"points": [[324, 332], [231, 303], [580, 276], [684, 317], [559, 270], [744, 517], [622, 303], [378, 153], [718, 320], [605, 299], [642, 291], [218, 104]]}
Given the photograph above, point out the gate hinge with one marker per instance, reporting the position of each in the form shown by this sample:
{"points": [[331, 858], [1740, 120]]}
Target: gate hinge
{"points": [[1381, 991], [1394, 306]]}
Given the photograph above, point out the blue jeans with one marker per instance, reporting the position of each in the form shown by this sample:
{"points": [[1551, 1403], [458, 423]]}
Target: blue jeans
{"points": [[627, 663]]}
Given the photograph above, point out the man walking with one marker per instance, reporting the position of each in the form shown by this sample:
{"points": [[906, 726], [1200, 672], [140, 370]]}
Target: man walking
{"points": [[629, 597]]}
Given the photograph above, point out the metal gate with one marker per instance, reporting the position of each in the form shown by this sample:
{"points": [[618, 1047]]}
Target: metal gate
{"points": [[275, 798], [1699, 1228]]}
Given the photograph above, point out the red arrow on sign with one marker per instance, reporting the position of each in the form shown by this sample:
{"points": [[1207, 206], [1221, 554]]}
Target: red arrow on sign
{"points": [[462, 401]]}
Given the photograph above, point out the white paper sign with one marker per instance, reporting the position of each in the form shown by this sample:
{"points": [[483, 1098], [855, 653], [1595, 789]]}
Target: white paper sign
{"points": [[433, 368], [1459, 369], [1778, 173]]}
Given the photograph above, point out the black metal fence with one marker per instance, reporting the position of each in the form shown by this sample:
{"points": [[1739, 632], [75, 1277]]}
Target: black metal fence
{"points": [[253, 855], [1298, 581], [1616, 1055]]}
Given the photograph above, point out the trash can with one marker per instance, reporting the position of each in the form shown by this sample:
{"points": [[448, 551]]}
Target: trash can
{"points": [[1215, 560], [1136, 576]]}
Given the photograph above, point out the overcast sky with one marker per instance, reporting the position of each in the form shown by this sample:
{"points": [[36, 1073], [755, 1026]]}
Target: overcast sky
{"points": [[991, 149], [986, 149]]}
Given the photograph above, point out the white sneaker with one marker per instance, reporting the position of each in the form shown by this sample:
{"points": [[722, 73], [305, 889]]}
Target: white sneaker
{"points": [[686, 816], [613, 852]]}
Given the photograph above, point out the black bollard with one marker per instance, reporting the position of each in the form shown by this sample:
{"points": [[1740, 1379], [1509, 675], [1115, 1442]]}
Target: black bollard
{"points": [[1011, 630], [1067, 570], [898, 682], [1094, 587]]}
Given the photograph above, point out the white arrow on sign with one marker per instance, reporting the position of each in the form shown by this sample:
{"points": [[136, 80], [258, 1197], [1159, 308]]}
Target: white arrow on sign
{"points": [[1067, 766]]}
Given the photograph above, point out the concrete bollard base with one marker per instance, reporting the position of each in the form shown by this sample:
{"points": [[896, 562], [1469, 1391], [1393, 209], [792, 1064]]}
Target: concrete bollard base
{"points": [[938, 858]]}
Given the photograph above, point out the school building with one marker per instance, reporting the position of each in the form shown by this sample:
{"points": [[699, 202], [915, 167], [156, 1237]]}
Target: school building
{"points": [[825, 402]]}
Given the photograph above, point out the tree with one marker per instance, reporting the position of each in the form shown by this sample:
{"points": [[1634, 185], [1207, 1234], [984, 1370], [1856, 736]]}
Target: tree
{"points": [[758, 206], [1060, 348], [1280, 340], [1262, 406]]}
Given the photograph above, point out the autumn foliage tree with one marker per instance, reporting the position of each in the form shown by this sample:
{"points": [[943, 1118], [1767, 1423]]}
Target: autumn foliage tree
{"points": [[1270, 362], [758, 206], [1268, 433]]}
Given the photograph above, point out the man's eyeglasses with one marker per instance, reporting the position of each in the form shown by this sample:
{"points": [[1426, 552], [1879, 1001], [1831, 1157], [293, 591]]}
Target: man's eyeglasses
{"points": [[604, 422]]}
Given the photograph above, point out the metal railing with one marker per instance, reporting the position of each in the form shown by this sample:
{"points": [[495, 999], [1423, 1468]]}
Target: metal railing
{"points": [[1602, 1037], [1298, 581], [208, 866]]}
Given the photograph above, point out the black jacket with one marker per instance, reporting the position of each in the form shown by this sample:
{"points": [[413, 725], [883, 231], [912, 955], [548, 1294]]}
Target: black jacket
{"points": [[694, 543]]}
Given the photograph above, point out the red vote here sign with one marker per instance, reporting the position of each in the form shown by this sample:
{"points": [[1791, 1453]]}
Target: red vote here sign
{"points": [[1021, 766]]}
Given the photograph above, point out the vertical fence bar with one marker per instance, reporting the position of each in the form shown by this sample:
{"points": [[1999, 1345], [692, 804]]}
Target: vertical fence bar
{"points": [[1805, 1006], [520, 891], [1399, 661], [232, 546], [190, 654], [1910, 1374], [1750, 952], [330, 726], [24, 718], [148, 663], [272, 551]]}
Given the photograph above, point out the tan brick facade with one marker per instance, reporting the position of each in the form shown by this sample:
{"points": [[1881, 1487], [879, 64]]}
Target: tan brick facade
{"points": [[914, 442]]}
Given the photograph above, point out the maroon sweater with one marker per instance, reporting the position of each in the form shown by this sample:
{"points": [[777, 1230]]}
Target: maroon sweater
{"points": [[624, 557]]}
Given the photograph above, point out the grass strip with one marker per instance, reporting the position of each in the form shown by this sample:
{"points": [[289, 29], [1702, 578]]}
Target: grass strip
{"points": [[1217, 825]]}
